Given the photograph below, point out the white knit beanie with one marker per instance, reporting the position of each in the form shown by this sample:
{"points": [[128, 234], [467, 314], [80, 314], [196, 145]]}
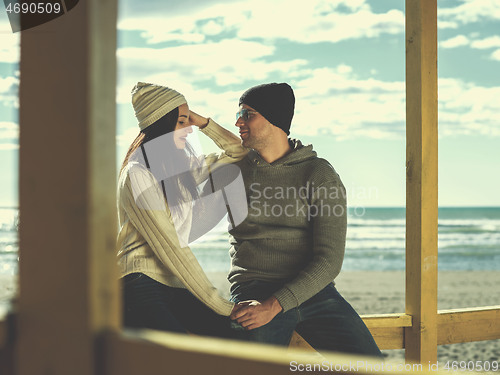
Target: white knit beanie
{"points": [[151, 102]]}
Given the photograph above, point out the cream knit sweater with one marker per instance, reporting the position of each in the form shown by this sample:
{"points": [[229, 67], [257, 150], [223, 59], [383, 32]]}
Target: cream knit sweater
{"points": [[148, 241]]}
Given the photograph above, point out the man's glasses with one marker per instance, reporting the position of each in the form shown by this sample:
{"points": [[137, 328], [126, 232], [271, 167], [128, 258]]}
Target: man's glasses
{"points": [[245, 114]]}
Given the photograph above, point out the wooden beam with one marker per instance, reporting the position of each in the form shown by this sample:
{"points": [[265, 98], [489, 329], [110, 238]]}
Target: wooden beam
{"points": [[386, 329], [105, 292], [421, 180], [387, 320], [466, 325], [150, 352], [68, 287], [389, 337], [453, 326], [146, 352]]}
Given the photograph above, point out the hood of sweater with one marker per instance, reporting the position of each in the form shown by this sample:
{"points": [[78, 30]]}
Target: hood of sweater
{"points": [[299, 154]]}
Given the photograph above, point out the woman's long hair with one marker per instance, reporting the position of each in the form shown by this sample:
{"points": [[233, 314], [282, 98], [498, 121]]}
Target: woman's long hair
{"points": [[178, 160]]}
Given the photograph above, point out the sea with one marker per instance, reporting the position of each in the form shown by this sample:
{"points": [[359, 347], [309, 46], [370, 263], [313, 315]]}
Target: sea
{"points": [[468, 239]]}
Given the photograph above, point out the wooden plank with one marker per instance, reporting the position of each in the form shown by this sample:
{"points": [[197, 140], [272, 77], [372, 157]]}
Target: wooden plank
{"points": [[149, 352], [453, 326], [389, 337], [104, 286], [386, 329], [466, 325], [387, 320], [421, 180], [67, 184], [146, 352]]}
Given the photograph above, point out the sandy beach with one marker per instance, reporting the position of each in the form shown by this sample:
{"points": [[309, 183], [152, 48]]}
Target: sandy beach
{"points": [[377, 292]]}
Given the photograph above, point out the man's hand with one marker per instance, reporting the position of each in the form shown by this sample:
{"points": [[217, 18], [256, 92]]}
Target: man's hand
{"points": [[254, 314]]}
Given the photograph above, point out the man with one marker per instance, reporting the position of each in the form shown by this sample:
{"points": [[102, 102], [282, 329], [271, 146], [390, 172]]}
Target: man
{"points": [[287, 252]]}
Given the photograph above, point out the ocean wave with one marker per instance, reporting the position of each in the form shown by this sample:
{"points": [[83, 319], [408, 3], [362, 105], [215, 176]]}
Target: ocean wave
{"points": [[467, 239]]}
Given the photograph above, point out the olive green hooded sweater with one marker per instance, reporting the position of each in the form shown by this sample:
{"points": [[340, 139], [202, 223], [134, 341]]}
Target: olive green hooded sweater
{"points": [[296, 225]]}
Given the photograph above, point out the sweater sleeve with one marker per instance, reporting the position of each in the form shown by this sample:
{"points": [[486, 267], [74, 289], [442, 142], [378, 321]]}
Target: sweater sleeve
{"points": [[328, 244], [143, 201], [226, 141]]}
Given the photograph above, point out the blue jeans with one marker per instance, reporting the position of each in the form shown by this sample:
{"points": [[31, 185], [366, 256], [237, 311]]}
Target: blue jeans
{"points": [[150, 304], [326, 321]]}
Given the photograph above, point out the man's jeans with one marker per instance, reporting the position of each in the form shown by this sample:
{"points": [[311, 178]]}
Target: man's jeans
{"points": [[326, 321], [150, 304]]}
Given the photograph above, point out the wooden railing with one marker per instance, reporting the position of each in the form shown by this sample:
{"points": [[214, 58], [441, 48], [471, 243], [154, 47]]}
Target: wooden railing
{"points": [[454, 326]]}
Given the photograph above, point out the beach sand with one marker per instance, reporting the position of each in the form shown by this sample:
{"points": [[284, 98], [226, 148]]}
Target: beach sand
{"points": [[378, 292]]}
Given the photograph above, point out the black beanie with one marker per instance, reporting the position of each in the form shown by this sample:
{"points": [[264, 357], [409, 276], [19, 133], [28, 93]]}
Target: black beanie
{"points": [[274, 101]]}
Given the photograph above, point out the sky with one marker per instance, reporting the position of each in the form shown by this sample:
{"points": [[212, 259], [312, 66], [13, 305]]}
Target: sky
{"points": [[345, 60]]}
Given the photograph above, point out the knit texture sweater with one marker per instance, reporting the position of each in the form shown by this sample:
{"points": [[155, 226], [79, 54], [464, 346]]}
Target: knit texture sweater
{"points": [[148, 241], [295, 230]]}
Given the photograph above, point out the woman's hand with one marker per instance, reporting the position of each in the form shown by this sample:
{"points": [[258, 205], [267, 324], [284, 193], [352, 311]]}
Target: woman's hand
{"points": [[197, 120]]}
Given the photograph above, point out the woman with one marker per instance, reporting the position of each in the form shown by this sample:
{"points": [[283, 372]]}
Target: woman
{"points": [[164, 285]]}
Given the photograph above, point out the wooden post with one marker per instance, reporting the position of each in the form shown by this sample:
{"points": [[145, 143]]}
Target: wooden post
{"points": [[68, 285], [421, 180]]}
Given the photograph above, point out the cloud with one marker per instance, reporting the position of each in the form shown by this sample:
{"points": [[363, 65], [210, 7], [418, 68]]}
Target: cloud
{"points": [[343, 106], [9, 147], [9, 136], [457, 41], [486, 43], [212, 76], [185, 22], [9, 91], [224, 63], [306, 22], [311, 21], [167, 9], [334, 101], [318, 21], [490, 42], [9, 46], [466, 108], [496, 55], [446, 24], [469, 11], [462, 40], [9, 130], [9, 41], [330, 100]]}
